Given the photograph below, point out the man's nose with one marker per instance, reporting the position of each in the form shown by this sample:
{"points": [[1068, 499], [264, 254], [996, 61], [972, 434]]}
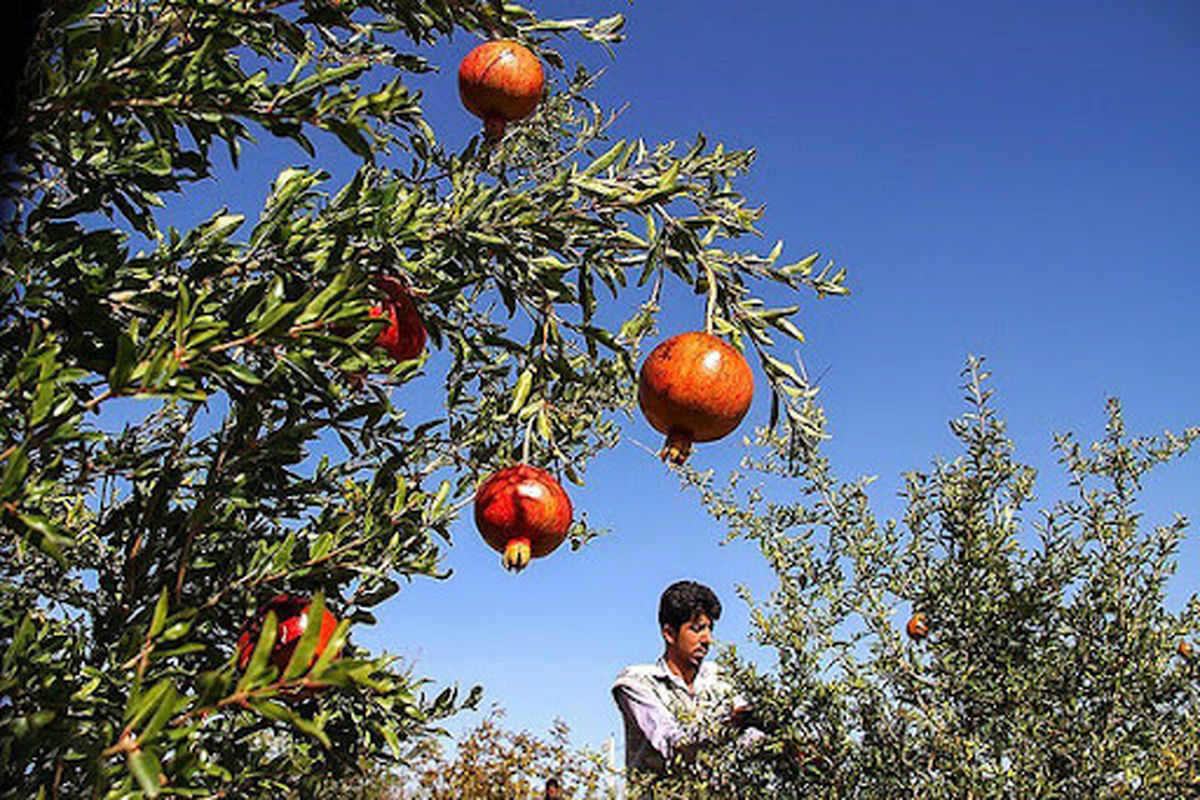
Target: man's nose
{"points": [[706, 637]]}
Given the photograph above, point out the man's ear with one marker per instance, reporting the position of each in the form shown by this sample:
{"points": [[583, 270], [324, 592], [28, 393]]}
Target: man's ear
{"points": [[669, 634]]}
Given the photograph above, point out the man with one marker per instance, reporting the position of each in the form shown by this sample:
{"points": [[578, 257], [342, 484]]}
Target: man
{"points": [[672, 706]]}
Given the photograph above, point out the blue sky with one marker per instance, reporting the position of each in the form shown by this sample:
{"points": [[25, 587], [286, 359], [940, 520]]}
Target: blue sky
{"points": [[1016, 180]]}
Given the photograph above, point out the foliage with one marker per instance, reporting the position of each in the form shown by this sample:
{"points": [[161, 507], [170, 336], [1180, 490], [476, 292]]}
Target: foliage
{"points": [[162, 407], [1052, 667], [493, 762]]}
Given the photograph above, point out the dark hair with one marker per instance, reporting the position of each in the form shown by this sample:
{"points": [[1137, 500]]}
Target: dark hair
{"points": [[683, 601]]}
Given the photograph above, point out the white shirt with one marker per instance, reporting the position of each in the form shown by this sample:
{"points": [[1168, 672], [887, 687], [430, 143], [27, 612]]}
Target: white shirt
{"points": [[661, 713]]}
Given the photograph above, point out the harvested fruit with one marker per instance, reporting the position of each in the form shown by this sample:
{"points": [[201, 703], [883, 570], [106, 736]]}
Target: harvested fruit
{"points": [[918, 627], [522, 513], [291, 614], [500, 82], [404, 336], [694, 387]]}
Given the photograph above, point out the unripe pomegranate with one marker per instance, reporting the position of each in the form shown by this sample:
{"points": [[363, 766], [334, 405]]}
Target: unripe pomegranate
{"points": [[918, 627], [404, 337], [291, 612], [694, 387], [500, 82], [522, 512]]}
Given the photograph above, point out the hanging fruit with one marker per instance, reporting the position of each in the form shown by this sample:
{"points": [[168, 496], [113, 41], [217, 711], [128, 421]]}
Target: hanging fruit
{"points": [[694, 387], [918, 627], [404, 336], [500, 82], [291, 613], [522, 513]]}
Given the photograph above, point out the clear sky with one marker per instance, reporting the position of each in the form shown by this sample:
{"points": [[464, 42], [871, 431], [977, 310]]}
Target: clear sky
{"points": [[1017, 180]]}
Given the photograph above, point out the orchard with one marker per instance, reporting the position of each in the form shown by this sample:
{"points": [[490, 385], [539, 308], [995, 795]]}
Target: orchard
{"points": [[214, 472]]}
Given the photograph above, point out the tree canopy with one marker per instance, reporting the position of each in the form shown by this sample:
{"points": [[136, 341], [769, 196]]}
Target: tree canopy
{"points": [[165, 390]]}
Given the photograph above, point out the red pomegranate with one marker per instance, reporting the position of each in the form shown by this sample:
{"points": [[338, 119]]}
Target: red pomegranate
{"points": [[918, 627], [522, 512], [291, 612], [404, 337], [500, 82], [694, 387]]}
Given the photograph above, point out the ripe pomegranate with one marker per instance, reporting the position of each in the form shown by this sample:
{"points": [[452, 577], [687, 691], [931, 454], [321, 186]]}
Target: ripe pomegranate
{"points": [[1185, 649], [291, 612], [918, 627], [404, 337], [522, 512], [694, 387], [500, 82]]}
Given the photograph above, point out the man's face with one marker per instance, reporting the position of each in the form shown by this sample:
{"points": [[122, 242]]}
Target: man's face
{"points": [[689, 645]]}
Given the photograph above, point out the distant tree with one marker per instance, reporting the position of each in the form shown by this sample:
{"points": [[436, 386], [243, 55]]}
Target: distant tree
{"points": [[1051, 666], [165, 392], [492, 763]]}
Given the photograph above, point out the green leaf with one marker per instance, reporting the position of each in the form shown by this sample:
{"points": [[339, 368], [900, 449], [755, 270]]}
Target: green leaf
{"points": [[262, 653], [605, 161], [43, 398], [321, 546], [303, 654], [241, 374], [45, 535], [351, 137], [521, 392], [802, 267], [20, 641], [164, 711], [142, 704], [333, 647], [146, 770], [311, 728], [160, 614], [118, 376], [15, 469]]}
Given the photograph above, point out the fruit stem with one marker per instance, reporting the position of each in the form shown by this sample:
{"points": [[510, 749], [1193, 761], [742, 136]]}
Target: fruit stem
{"points": [[493, 129], [516, 555], [677, 448], [710, 308]]}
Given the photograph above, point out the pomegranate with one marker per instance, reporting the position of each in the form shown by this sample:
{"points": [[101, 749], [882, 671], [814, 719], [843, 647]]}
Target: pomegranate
{"points": [[292, 615], [404, 337], [1185, 649], [918, 627], [522, 512], [500, 82], [694, 387]]}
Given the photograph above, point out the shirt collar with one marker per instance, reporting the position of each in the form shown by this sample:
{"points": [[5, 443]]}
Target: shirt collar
{"points": [[663, 672]]}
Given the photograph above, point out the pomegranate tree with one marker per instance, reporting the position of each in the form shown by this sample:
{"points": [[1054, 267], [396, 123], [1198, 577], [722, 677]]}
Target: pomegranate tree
{"points": [[694, 387], [291, 614], [500, 82], [404, 336], [522, 512]]}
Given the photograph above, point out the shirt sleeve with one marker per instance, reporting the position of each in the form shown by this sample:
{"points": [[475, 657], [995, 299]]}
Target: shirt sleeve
{"points": [[652, 718]]}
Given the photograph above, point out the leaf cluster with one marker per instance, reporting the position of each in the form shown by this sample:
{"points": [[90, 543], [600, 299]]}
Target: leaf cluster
{"points": [[192, 421], [1053, 666]]}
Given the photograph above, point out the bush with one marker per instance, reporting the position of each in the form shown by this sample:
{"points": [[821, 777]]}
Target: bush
{"points": [[1052, 666]]}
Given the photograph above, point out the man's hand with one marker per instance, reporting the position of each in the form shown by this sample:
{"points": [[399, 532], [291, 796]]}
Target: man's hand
{"points": [[742, 717]]}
